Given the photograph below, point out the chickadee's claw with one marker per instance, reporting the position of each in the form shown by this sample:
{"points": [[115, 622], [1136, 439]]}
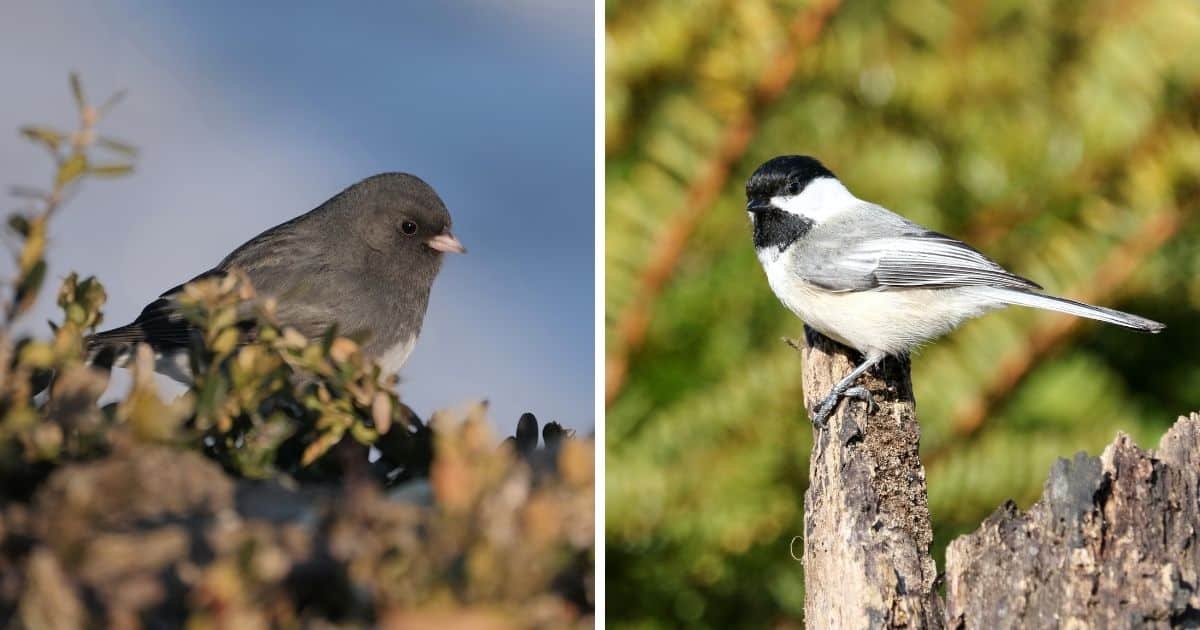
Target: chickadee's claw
{"points": [[864, 395], [820, 417], [824, 409]]}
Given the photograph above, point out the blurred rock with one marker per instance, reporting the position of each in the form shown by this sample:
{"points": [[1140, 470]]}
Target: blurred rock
{"points": [[155, 536]]}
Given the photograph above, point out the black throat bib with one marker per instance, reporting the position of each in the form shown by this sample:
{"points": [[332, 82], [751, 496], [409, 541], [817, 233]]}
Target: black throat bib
{"points": [[775, 228]]}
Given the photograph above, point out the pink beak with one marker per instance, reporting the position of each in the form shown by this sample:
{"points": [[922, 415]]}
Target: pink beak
{"points": [[445, 242]]}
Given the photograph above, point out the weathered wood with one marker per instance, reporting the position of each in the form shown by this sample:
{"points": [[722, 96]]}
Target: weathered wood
{"points": [[1114, 542], [866, 518]]}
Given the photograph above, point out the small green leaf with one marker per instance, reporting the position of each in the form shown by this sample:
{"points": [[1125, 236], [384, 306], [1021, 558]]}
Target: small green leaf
{"points": [[37, 354], [331, 333], [111, 170], [91, 293], [77, 91], [112, 101], [320, 446], [44, 135], [124, 148], [363, 434], [66, 292], [71, 169], [28, 287], [19, 224], [76, 313]]}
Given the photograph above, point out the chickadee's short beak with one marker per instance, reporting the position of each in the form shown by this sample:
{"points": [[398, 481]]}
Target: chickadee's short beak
{"points": [[445, 242], [757, 205]]}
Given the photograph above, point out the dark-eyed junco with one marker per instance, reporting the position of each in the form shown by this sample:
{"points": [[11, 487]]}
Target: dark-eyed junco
{"points": [[364, 261]]}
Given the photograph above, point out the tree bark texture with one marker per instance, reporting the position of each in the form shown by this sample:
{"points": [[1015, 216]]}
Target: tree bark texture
{"points": [[866, 512], [1114, 542]]}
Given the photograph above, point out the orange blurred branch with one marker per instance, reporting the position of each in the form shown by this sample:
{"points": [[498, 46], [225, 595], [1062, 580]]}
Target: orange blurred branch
{"points": [[703, 191]]}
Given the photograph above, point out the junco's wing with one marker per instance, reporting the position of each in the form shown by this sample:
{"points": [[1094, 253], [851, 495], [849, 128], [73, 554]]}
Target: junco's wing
{"points": [[278, 263], [895, 254], [311, 292]]}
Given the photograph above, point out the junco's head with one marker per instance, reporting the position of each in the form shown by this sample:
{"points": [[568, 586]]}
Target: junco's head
{"points": [[399, 212]]}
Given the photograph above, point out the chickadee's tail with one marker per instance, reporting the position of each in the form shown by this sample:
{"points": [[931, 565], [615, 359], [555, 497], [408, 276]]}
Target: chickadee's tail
{"points": [[1071, 307]]}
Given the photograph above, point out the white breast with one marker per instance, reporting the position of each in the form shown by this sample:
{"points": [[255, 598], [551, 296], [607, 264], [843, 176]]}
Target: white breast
{"points": [[888, 322], [394, 358]]}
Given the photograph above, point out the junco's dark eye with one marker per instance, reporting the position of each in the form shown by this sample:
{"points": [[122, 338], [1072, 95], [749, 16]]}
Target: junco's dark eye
{"points": [[793, 188], [409, 227]]}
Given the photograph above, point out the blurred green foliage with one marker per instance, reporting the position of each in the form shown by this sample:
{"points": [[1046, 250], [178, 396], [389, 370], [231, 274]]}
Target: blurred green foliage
{"points": [[289, 486], [1061, 138]]}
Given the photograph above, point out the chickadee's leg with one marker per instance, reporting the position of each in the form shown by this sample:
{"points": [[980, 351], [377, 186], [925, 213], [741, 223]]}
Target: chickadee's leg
{"points": [[843, 388]]}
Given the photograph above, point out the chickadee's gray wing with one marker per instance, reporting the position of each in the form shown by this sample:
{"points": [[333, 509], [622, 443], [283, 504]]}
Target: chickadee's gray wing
{"points": [[873, 249]]}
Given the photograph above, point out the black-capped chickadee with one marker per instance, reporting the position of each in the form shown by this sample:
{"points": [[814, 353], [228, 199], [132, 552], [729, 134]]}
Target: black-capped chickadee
{"points": [[873, 280]]}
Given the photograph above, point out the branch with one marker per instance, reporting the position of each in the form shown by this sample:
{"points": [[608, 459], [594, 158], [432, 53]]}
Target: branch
{"points": [[866, 512]]}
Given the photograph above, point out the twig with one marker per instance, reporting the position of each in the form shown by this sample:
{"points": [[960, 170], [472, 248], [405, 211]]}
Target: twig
{"points": [[70, 153]]}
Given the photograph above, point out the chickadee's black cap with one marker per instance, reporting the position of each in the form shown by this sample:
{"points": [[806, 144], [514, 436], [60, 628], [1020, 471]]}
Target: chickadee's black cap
{"points": [[776, 174]]}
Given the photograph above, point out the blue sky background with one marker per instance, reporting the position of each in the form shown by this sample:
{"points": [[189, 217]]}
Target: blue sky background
{"points": [[248, 114]]}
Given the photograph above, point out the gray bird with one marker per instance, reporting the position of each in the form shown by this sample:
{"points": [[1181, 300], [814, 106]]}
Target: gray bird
{"points": [[873, 280], [364, 261]]}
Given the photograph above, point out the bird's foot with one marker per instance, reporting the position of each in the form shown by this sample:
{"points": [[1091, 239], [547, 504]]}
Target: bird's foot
{"points": [[825, 408], [863, 394]]}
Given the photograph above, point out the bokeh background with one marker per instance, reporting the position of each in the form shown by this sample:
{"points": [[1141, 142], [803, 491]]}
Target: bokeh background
{"points": [[1061, 138], [248, 114]]}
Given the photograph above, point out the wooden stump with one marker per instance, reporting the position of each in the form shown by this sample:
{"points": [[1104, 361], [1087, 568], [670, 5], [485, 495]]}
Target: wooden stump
{"points": [[866, 511], [1114, 542]]}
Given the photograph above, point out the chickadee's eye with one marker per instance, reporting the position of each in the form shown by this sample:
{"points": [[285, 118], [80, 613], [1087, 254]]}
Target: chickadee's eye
{"points": [[409, 227], [793, 188]]}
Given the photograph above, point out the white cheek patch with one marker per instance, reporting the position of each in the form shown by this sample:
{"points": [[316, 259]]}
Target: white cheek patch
{"points": [[821, 199]]}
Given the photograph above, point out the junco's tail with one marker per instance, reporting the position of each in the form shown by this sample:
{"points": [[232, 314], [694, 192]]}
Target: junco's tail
{"points": [[112, 348], [1071, 307], [99, 351]]}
